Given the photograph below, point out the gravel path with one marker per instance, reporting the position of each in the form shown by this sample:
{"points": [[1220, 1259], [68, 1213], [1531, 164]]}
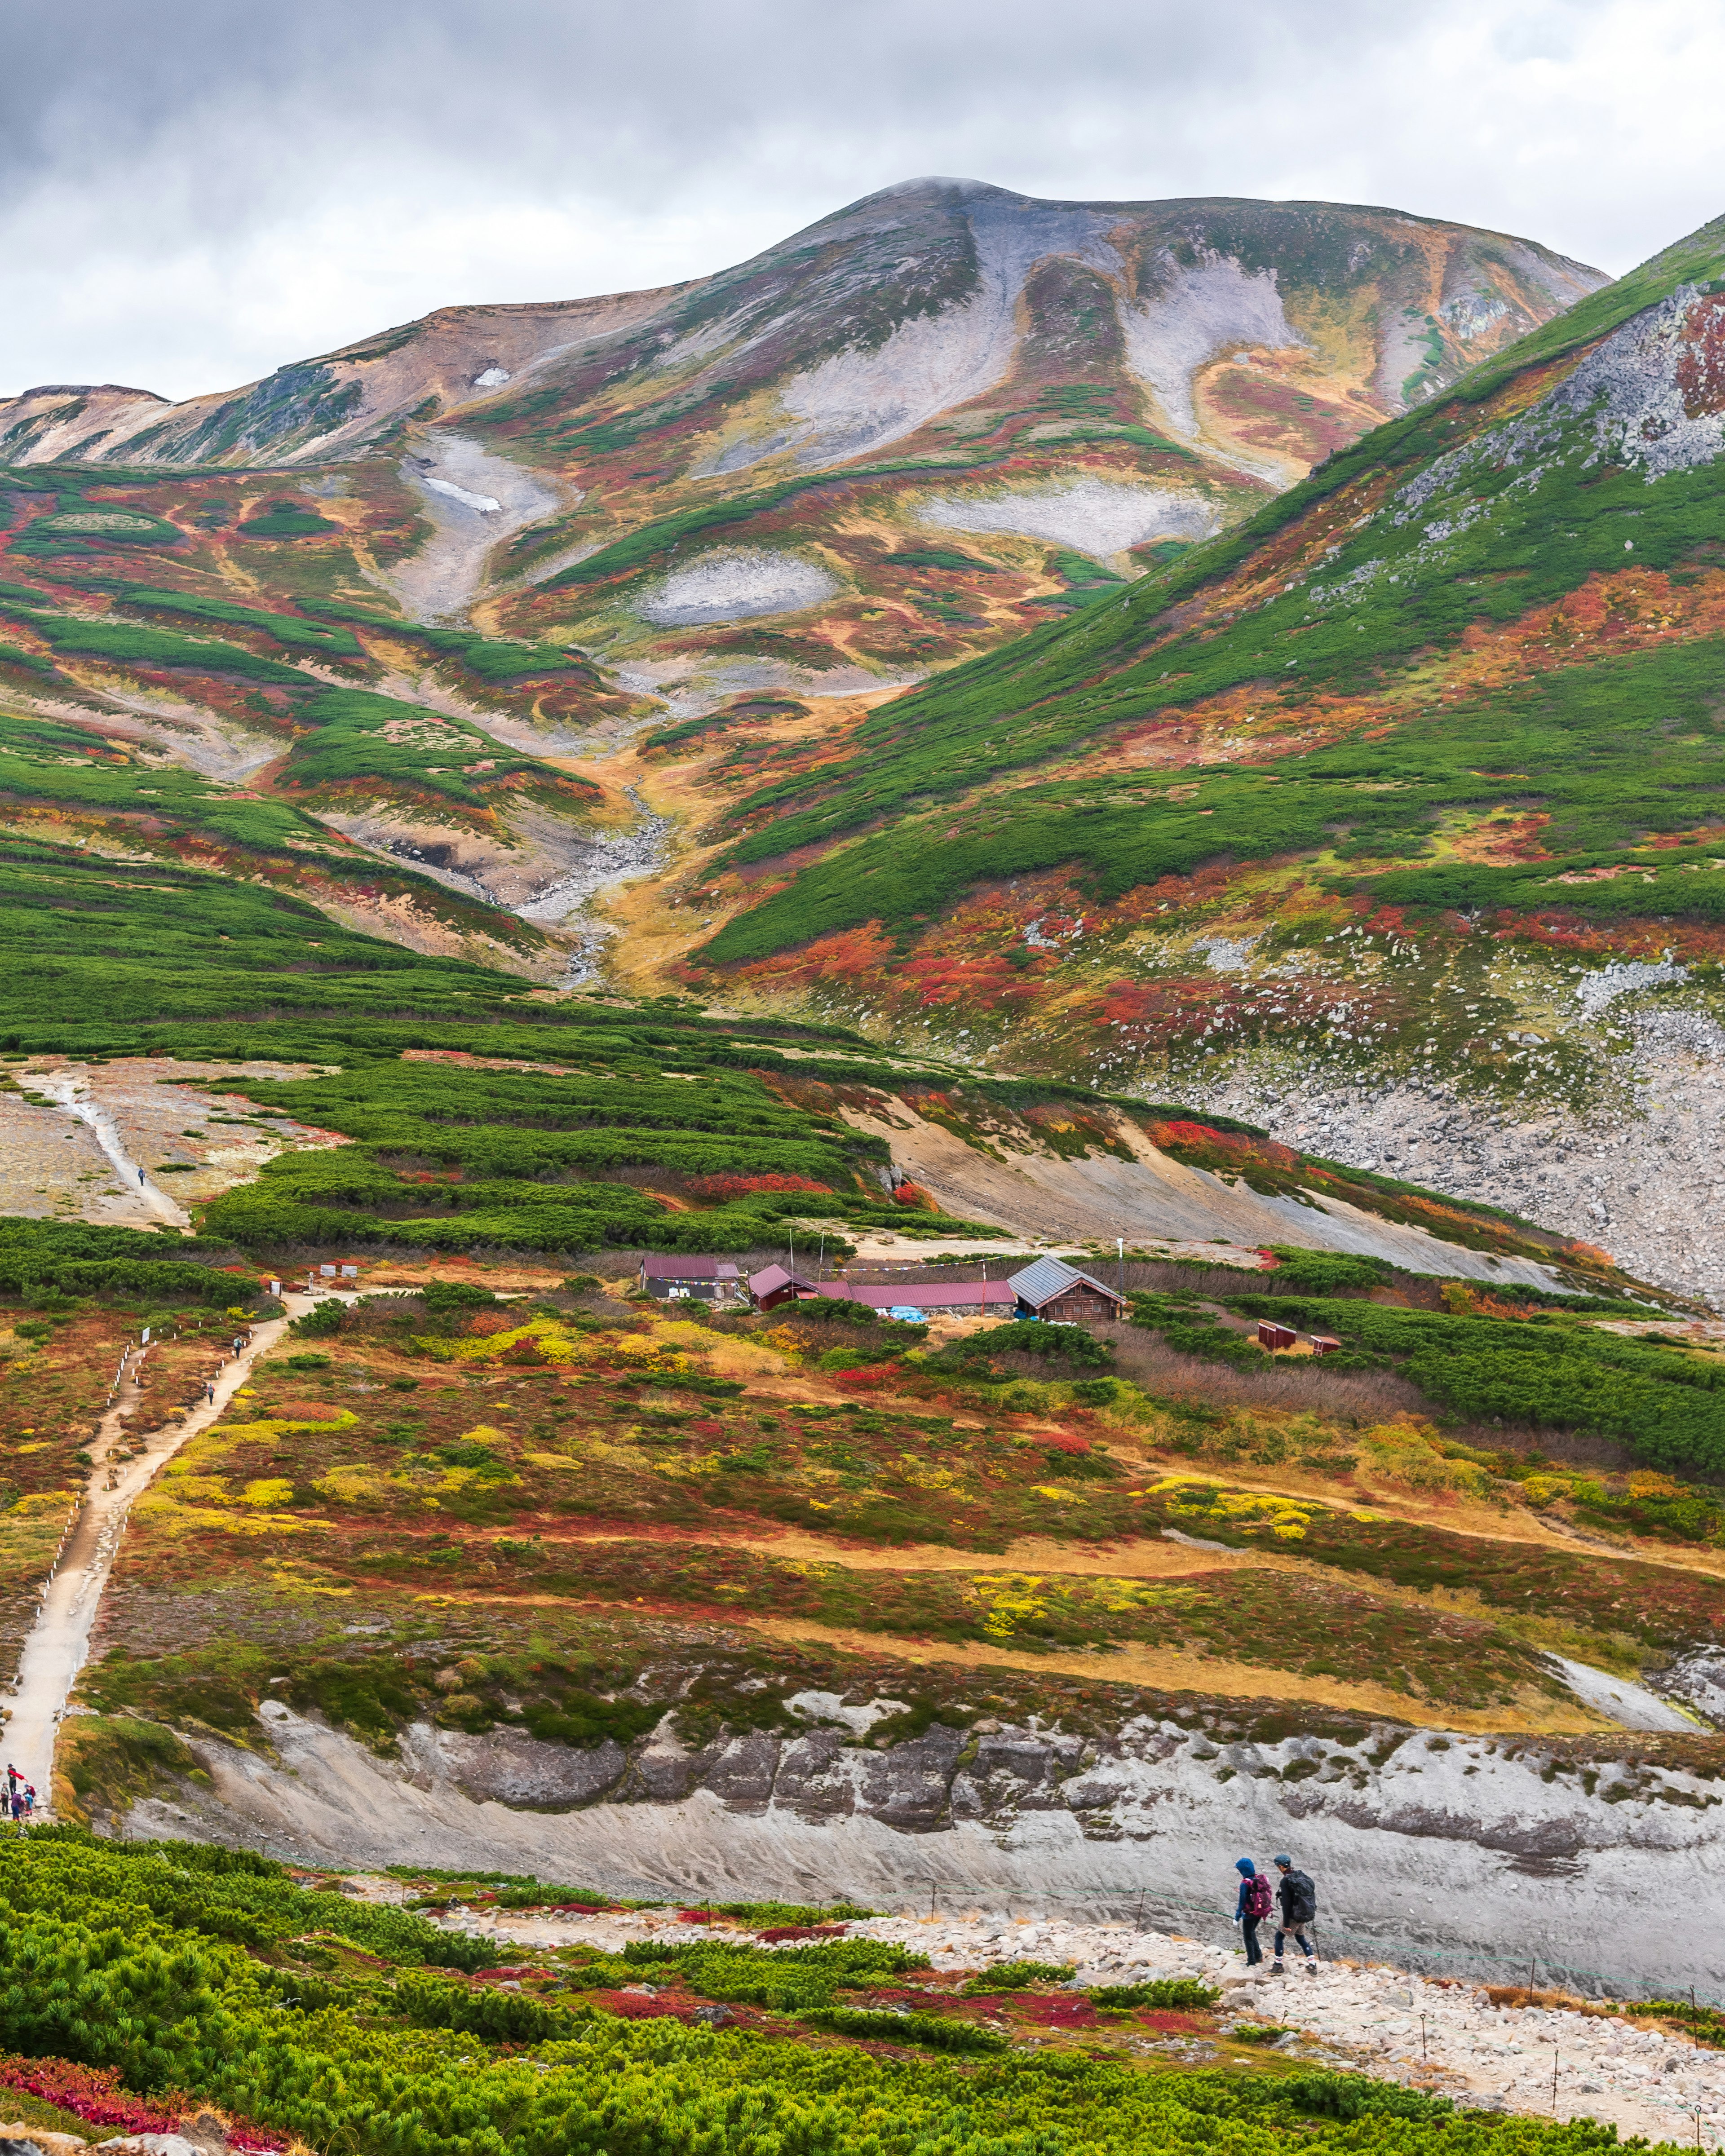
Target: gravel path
{"points": [[1444, 2036], [72, 1095], [60, 1640]]}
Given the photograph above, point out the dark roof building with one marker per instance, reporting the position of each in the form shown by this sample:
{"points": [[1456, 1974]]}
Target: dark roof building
{"points": [[1061, 1294], [679, 1278]]}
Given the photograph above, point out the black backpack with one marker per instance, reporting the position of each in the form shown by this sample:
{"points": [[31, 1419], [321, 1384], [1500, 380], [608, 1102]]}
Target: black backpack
{"points": [[1299, 1898]]}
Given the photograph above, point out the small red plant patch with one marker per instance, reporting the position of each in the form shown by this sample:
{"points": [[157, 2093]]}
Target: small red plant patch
{"points": [[94, 2094], [1169, 2023], [636, 2006], [1067, 2012]]}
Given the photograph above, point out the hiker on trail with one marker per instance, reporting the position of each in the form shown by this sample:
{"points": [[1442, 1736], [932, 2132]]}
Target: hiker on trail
{"points": [[30, 1800], [1254, 1904], [1298, 1899]]}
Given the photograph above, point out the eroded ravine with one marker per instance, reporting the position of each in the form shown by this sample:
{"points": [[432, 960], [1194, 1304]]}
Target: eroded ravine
{"points": [[475, 501]]}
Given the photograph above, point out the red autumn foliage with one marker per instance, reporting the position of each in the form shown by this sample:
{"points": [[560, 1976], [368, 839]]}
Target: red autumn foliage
{"points": [[865, 1380], [739, 1186], [94, 2094], [1061, 2012]]}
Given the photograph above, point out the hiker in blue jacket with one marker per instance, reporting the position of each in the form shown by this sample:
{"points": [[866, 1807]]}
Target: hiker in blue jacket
{"points": [[1298, 1898], [1254, 1904]]}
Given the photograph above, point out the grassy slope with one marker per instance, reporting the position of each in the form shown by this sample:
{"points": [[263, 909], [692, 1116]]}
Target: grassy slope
{"points": [[110, 654], [1533, 675], [149, 1978]]}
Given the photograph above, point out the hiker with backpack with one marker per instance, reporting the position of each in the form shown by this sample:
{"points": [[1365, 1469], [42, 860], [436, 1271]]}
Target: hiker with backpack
{"points": [[1298, 1898], [1254, 1904]]}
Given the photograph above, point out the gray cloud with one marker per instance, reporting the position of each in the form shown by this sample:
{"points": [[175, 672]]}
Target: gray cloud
{"points": [[192, 196]]}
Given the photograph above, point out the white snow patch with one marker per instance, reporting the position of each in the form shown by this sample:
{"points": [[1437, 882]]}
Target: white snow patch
{"points": [[487, 504], [734, 582], [494, 378], [1096, 516], [1199, 313], [1629, 1706]]}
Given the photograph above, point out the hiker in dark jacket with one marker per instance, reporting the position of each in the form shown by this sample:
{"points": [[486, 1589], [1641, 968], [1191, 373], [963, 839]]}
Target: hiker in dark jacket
{"points": [[1298, 1899], [1251, 1909]]}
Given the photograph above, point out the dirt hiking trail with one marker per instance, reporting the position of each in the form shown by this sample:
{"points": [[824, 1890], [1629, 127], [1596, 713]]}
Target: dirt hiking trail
{"points": [[58, 1641]]}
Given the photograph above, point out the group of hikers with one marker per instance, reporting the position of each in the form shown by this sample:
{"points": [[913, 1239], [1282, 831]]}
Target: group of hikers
{"points": [[1295, 1900], [20, 1798]]}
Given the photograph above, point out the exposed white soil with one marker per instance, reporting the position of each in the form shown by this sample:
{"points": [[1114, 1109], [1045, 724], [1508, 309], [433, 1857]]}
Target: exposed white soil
{"points": [[859, 400], [735, 583], [52, 1165], [613, 858], [59, 1640], [1153, 1200], [689, 686], [75, 1096], [208, 742], [1629, 1706], [455, 478], [138, 1110], [1459, 1853], [1198, 311], [1643, 1176], [551, 738], [548, 850], [1100, 517]]}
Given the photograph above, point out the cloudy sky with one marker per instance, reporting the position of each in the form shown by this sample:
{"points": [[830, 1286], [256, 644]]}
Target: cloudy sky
{"points": [[191, 195]]}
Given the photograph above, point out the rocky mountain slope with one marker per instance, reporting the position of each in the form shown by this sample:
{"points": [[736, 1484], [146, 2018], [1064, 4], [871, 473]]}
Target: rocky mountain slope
{"points": [[1391, 816], [1017, 402]]}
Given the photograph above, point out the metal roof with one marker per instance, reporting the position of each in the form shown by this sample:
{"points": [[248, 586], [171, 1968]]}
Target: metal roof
{"points": [[938, 1296], [677, 1267], [774, 1277], [1048, 1277]]}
